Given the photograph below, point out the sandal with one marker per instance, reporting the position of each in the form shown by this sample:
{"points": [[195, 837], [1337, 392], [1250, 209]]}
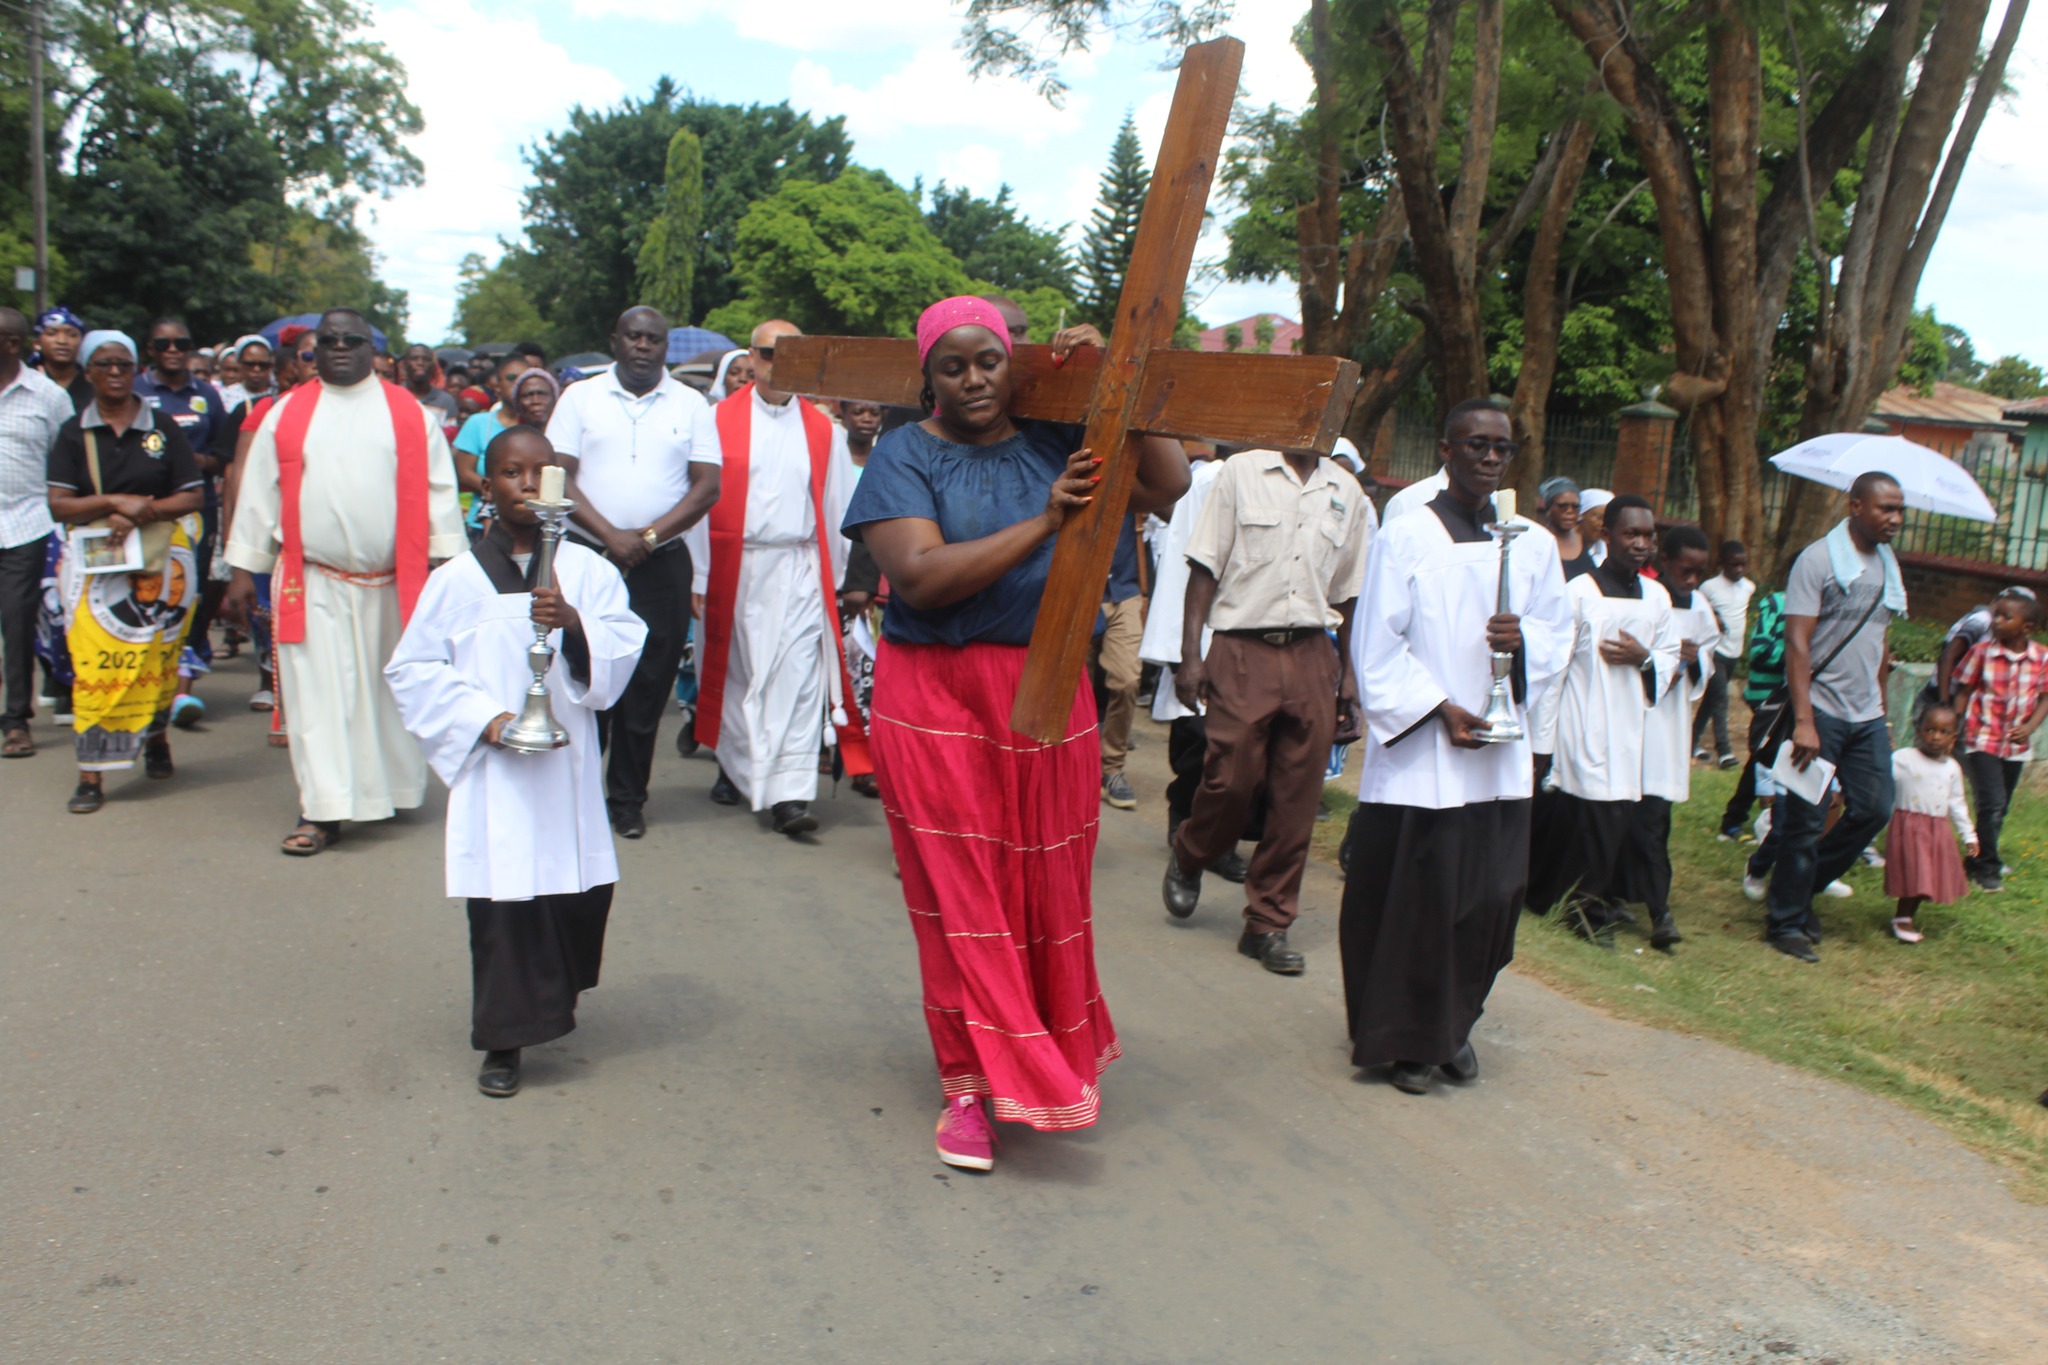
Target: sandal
{"points": [[156, 762], [88, 798], [1904, 932], [310, 837], [865, 784], [19, 743]]}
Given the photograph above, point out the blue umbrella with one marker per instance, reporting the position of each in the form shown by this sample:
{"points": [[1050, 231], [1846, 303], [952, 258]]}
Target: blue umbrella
{"points": [[270, 332], [684, 342]]}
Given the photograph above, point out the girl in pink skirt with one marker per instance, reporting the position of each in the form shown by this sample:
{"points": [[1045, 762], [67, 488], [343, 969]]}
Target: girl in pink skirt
{"points": [[1920, 859]]}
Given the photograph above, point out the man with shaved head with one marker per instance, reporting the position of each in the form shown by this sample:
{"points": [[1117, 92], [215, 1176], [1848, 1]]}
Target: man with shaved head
{"points": [[32, 407], [773, 668], [643, 462], [347, 497]]}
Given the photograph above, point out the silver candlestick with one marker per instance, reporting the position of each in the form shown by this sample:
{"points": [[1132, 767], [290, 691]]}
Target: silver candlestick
{"points": [[535, 730], [1503, 726]]}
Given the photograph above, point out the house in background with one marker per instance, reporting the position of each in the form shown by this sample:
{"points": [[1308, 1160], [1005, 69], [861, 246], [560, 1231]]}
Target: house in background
{"points": [[1249, 334], [1971, 428], [1967, 425]]}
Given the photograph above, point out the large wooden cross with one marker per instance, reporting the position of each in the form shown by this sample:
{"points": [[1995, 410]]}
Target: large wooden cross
{"points": [[1134, 387]]}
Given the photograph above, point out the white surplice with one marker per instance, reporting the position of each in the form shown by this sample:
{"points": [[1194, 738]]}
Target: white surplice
{"points": [[1160, 643], [350, 752], [1418, 639], [1667, 743], [1415, 496], [1602, 713], [779, 677], [519, 825]]}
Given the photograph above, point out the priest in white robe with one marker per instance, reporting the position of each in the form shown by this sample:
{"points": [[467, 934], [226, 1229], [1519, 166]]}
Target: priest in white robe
{"points": [[347, 496], [768, 563], [1644, 875], [529, 842], [1440, 840], [1625, 657]]}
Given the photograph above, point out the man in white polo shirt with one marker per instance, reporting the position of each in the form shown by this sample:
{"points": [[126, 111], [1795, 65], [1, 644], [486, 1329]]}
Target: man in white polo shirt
{"points": [[32, 407], [643, 459]]}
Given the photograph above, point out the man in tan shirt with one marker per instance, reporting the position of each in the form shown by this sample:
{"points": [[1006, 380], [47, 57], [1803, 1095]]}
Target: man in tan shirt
{"points": [[1274, 564]]}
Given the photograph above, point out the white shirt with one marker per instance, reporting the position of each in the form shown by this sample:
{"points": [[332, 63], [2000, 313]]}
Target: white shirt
{"points": [[634, 453], [1667, 746], [1415, 496], [31, 409], [1730, 603], [779, 509], [1603, 715], [1931, 786]]}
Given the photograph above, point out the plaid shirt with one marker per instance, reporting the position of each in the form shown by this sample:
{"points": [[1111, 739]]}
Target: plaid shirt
{"points": [[2004, 688]]}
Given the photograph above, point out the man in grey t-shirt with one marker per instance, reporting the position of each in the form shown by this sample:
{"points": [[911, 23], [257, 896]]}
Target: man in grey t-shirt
{"points": [[1837, 592]]}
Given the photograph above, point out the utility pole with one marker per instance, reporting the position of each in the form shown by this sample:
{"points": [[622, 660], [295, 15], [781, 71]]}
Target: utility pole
{"points": [[38, 183]]}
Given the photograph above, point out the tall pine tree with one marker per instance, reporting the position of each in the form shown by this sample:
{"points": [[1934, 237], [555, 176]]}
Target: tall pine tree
{"points": [[1113, 228], [666, 269]]}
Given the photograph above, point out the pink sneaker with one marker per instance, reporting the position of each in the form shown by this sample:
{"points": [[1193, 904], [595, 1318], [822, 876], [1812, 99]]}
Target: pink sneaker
{"points": [[964, 1137]]}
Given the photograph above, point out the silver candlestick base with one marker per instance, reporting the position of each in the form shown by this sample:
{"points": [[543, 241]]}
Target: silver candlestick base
{"points": [[1503, 725], [535, 730]]}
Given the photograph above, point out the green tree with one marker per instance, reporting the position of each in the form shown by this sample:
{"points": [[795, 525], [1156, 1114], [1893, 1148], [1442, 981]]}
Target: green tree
{"points": [[320, 263], [847, 256], [998, 244], [2012, 378], [667, 265], [1113, 227], [1262, 335], [598, 186], [494, 304]]}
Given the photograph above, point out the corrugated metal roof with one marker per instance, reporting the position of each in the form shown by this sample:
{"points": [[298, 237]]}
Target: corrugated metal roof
{"points": [[2034, 408], [1951, 404]]}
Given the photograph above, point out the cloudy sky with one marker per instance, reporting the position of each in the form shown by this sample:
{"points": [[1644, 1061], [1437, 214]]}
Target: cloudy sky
{"points": [[493, 78]]}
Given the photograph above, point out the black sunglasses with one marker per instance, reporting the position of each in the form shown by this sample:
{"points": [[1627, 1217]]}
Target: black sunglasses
{"points": [[251, 363], [111, 366], [766, 353], [171, 344], [350, 340]]}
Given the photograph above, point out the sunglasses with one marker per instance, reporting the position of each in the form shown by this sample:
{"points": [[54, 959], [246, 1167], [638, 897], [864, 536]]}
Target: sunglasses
{"points": [[348, 340], [306, 357], [262, 364], [765, 352], [112, 366], [161, 344]]}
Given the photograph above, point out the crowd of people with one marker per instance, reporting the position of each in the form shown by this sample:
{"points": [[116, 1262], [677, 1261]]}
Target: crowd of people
{"points": [[846, 589]]}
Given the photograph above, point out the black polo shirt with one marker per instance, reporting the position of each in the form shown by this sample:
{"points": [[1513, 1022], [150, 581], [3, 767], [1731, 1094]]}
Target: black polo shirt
{"points": [[150, 458]]}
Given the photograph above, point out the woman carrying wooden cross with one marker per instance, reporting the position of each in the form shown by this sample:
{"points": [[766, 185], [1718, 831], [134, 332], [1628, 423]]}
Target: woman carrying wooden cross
{"points": [[994, 832]]}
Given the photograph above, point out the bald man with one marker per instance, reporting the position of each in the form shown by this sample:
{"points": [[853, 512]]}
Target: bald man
{"points": [[643, 458], [773, 669]]}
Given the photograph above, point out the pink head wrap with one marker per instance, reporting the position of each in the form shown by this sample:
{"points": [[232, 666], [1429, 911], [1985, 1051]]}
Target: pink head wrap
{"points": [[962, 310]]}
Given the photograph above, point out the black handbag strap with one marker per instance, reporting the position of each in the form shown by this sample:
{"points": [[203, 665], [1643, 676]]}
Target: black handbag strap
{"points": [[1782, 693]]}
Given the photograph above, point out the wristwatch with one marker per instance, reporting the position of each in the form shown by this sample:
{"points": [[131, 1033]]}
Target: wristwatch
{"points": [[647, 534]]}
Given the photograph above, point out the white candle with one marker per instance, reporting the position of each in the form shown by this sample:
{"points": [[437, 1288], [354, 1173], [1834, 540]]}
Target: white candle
{"points": [[1504, 505], [551, 476]]}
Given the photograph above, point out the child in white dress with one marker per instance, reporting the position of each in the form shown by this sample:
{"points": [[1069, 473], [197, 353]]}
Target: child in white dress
{"points": [[1921, 863]]}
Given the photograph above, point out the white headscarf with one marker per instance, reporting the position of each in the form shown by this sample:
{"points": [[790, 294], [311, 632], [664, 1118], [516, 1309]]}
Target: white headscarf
{"points": [[717, 392], [252, 339], [105, 337]]}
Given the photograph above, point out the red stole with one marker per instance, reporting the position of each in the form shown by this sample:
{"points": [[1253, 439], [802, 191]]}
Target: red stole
{"points": [[728, 520], [288, 593]]}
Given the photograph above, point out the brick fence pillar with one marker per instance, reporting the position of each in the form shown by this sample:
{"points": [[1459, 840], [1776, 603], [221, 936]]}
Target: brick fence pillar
{"points": [[1642, 450]]}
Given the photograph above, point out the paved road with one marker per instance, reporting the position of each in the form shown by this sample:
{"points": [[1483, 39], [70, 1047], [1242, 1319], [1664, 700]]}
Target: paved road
{"points": [[239, 1125]]}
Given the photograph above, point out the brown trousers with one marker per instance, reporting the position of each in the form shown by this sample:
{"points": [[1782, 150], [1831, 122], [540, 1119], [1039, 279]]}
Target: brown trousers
{"points": [[1272, 713]]}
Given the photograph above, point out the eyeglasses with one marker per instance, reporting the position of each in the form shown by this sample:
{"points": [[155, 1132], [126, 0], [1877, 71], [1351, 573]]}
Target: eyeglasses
{"points": [[306, 357], [250, 364], [766, 353], [112, 366], [336, 342], [1478, 446], [161, 344]]}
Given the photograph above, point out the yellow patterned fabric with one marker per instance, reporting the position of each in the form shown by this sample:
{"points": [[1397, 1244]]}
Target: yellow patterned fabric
{"points": [[125, 632]]}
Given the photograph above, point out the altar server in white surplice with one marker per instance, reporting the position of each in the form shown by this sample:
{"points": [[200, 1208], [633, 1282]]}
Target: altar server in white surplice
{"points": [[772, 670], [1440, 840], [347, 498], [1625, 657], [1644, 875], [529, 841]]}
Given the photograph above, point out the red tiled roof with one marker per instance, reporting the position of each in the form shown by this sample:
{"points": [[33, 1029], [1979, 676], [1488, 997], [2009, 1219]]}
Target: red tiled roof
{"points": [[1949, 405], [2027, 408], [1286, 333]]}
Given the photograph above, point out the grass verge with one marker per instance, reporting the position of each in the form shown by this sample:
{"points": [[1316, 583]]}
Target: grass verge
{"points": [[1956, 1027]]}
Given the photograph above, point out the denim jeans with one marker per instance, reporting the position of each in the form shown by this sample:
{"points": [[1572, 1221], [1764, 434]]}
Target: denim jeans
{"points": [[1992, 780], [1806, 859]]}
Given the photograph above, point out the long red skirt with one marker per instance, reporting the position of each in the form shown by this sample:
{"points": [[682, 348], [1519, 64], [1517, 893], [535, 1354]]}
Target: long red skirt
{"points": [[1920, 859], [995, 835]]}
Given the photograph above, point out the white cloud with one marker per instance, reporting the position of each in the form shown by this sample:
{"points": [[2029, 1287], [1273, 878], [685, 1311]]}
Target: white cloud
{"points": [[933, 90], [807, 25], [487, 85], [975, 167]]}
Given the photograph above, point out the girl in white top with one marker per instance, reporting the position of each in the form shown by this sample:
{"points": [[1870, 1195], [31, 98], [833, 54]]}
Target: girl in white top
{"points": [[1921, 863]]}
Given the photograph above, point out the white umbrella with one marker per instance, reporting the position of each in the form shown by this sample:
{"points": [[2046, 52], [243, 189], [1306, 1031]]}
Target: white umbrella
{"points": [[1930, 480]]}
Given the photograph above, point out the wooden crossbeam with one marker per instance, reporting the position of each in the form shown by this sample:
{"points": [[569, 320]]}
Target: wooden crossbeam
{"points": [[1290, 402]]}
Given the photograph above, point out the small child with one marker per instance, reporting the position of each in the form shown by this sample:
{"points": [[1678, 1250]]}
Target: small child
{"points": [[1920, 857], [2001, 692], [529, 846]]}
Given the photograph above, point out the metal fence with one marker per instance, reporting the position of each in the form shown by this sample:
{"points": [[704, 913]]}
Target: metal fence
{"points": [[1580, 448]]}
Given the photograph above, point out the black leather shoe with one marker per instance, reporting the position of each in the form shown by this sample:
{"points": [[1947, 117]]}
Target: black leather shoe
{"points": [[1617, 913], [1272, 952], [1412, 1078], [1464, 1066], [500, 1075], [1231, 867], [628, 821], [723, 791], [1664, 932], [1587, 923], [156, 762], [1182, 891], [792, 818], [87, 799], [1795, 945]]}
